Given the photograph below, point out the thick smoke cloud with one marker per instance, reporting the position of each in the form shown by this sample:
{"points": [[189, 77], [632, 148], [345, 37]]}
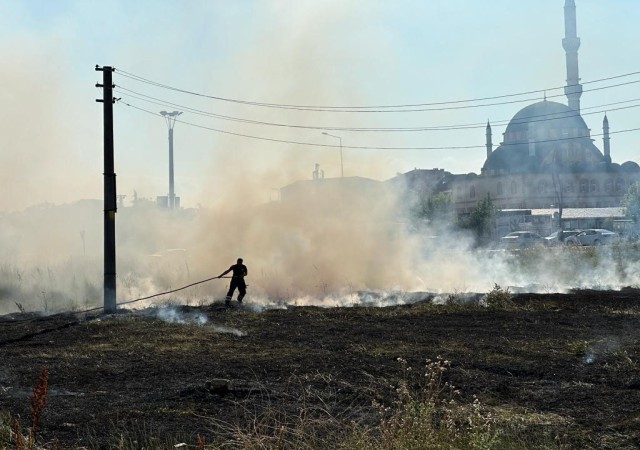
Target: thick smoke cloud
{"points": [[334, 244]]}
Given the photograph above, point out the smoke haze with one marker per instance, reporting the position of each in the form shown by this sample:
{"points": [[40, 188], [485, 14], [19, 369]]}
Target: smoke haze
{"points": [[339, 245]]}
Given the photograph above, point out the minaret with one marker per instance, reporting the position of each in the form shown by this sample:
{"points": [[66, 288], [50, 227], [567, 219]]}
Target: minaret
{"points": [[606, 139], [489, 142], [571, 44]]}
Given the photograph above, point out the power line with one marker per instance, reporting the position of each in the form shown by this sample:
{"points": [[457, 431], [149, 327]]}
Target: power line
{"points": [[356, 147], [377, 108], [536, 118]]}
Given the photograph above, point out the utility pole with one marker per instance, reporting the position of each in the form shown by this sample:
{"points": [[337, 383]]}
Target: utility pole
{"points": [[341, 164], [110, 203], [170, 117]]}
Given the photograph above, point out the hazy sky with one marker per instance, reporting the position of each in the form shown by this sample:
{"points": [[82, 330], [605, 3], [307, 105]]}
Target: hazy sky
{"points": [[303, 52]]}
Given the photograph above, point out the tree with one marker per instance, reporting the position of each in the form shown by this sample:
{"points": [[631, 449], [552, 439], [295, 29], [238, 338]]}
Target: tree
{"points": [[631, 202], [481, 219], [438, 206]]}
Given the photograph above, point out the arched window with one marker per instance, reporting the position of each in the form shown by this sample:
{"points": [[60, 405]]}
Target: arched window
{"points": [[608, 185], [514, 188], [584, 186], [568, 186], [593, 186], [499, 188], [619, 185], [472, 192], [542, 187]]}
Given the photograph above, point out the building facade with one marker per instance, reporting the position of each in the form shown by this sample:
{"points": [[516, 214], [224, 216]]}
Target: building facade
{"points": [[547, 158]]}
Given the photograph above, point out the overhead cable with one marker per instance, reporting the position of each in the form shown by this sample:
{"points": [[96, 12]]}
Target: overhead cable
{"points": [[535, 118], [372, 108], [312, 144]]}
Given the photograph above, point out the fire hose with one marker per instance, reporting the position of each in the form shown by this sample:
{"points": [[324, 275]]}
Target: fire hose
{"points": [[123, 303]]}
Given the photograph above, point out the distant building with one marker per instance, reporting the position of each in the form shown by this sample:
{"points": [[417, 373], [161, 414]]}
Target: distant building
{"points": [[547, 158]]}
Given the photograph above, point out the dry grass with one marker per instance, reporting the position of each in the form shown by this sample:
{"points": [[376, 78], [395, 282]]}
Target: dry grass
{"points": [[425, 413]]}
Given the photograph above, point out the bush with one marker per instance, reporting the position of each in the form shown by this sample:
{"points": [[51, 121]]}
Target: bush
{"points": [[498, 298]]}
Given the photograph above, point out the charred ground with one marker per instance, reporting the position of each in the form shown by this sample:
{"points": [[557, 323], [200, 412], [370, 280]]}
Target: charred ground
{"points": [[566, 365]]}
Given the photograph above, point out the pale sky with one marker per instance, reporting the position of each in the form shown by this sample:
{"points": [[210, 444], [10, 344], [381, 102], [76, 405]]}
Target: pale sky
{"points": [[303, 52]]}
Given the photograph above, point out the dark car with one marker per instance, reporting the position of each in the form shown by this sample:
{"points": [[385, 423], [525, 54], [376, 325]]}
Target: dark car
{"points": [[553, 239]]}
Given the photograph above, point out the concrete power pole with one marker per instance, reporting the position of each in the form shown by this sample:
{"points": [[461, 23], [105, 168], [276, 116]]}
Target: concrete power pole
{"points": [[170, 117], [110, 202]]}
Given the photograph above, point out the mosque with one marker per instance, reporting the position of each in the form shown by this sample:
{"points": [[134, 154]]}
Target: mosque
{"points": [[547, 158], [546, 161]]}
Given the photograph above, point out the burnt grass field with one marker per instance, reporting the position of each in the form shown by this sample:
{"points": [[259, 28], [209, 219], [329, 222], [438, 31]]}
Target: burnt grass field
{"points": [[560, 368]]}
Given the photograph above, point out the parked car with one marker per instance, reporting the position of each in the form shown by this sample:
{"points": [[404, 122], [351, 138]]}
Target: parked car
{"points": [[593, 236], [521, 239], [552, 239]]}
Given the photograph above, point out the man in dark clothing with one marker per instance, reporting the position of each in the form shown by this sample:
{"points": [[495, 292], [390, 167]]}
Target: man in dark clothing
{"points": [[237, 281]]}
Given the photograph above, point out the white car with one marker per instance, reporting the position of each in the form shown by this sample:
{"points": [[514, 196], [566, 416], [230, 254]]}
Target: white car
{"points": [[521, 239], [593, 236]]}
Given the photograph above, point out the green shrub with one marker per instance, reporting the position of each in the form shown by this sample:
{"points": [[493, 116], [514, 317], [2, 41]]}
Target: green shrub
{"points": [[498, 298]]}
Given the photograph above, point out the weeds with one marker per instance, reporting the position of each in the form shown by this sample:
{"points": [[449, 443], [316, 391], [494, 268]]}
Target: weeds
{"points": [[430, 415], [10, 430], [498, 298], [39, 398], [18, 438], [426, 412]]}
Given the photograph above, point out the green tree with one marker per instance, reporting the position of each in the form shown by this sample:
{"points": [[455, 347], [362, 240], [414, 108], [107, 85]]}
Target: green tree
{"points": [[481, 219], [631, 202], [438, 206]]}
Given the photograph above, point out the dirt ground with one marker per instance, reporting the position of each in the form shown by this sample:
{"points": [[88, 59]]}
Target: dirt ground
{"points": [[567, 364]]}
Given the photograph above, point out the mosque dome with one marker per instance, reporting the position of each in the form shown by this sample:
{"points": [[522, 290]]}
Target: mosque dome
{"points": [[543, 136], [630, 166]]}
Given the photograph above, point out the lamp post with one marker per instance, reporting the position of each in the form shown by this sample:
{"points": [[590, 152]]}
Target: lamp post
{"points": [[341, 165], [170, 118]]}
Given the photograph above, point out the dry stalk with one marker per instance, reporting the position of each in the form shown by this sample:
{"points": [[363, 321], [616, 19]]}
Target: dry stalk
{"points": [[199, 442], [21, 443], [39, 398]]}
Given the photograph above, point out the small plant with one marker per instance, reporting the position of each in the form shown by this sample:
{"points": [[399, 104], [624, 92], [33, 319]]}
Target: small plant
{"points": [[199, 442], [428, 414], [579, 347], [498, 298], [39, 398], [624, 361]]}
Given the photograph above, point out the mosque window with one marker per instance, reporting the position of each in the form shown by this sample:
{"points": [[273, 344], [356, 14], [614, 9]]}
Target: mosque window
{"points": [[499, 188], [542, 187], [514, 188], [472, 192], [584, 186], [459, 191], [619, 185], [608, 185], [568, 186], [593, 186]]}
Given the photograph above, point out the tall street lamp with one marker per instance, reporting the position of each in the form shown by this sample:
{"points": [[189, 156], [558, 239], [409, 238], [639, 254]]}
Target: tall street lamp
{"points": [[337, 137], [170, 117]]}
